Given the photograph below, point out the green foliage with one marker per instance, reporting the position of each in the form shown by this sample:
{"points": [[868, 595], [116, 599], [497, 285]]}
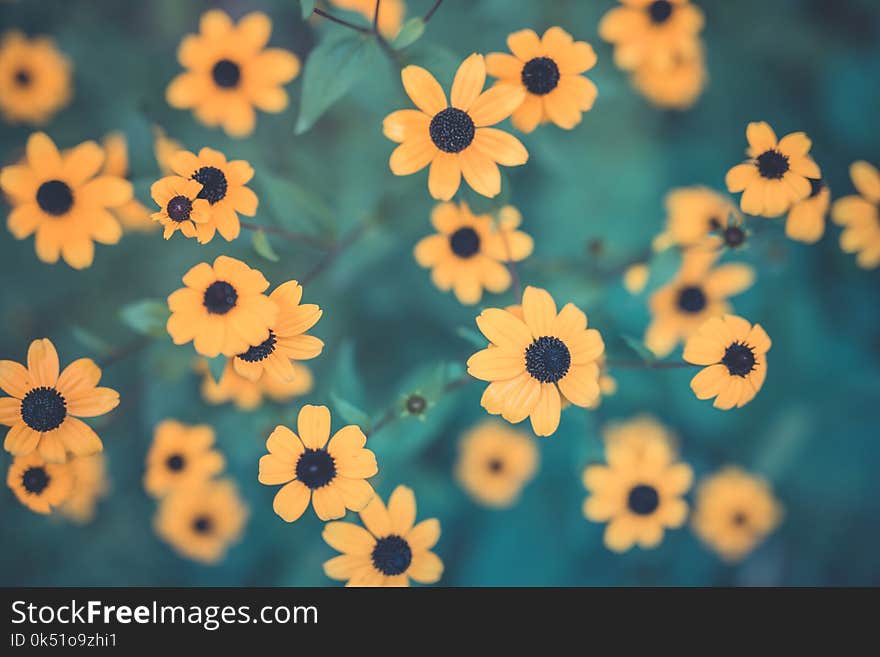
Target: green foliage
{"points": [[263, 247], [307, 7], [411, 31], [350, 413], [147, 317], [638, 347], [216, 366]]}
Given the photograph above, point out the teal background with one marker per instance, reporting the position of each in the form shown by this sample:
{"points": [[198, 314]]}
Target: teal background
{"points": [[591, 198]]}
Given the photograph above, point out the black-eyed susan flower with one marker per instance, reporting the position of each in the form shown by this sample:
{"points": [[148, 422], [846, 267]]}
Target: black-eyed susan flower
{"points": [[734, 512], [180, 455], [860, 216], [495, 463], [454, 137], [43, 407], [180, 207], [59, 198], [550, 70], [201, 522], [677, 85], [734, 356], [230, 72], [532, 363], [34, 78], [643, 434], [468, 252], [806, 219], [693, 215], [222, 308], [89, 486], [134, 216], [223, 186], [777, 173], [639, 493], [287, 342], [391, 13], [391, 550], [332, 475], [248, 395], [699, 291], [39, 485], [164, 149]]}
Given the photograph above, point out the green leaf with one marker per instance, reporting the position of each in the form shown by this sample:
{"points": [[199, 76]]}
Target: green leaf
{"points": [[472, 336], [307, 6], [263, 247], [95, 345], [295, 207], [147, 317], [330, 71], [216, 366], [639, 347], [350, 413], [411, 32]]}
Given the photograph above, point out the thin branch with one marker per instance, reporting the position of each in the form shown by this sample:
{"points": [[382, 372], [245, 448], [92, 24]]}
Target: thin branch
{"points": [[334, 252], [125, 351], [392, 414], [649, 365], [293, 236], [342, 21], [431, 11], [376, 17]]}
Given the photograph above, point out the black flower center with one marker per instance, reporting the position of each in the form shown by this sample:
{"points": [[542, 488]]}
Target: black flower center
{"points": [[691, 299], [178, 208], [54, 197], [43, 409], [35, 479], [175, 462], [226, 74], [739, 358], [540, 75], [22, 77], [220, 298], [416, 404], [714, 223], [772, 164], [734, 236], [202, 524], [315, 468], [643, 500], [465, 242], [739, 519], [392, 555], [213, 184], [452, 130], [816, 186], [261, 351], [660, 11], [548, 359], [495, 465]]}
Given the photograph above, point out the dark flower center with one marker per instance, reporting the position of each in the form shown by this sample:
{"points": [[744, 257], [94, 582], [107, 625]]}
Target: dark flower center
{"points": [[416, 404], [261, 351], [739, 519], [43, 409], [816, 186], [643, 500], [213, 184], [220, 298], [203, 525], [714, 223], [178, 208], [392, 555], [465, 242], [540, 75], [734, 236], [452, 130], [175, 462], [35, 480], [495, 465], [54, 197], [548, 359], [660, 11], [739, 358], [315, 468], [226, 74], [691, 299], [22, 77], [772, 164]]}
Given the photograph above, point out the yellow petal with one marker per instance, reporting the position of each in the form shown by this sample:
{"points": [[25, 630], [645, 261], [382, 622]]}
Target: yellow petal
{"points": [[348, 538], [761, 137], [423, 89], [402, 509], [500, 146], [313, 426], [469, 81], [710, 381], [539, 311], [42, 363], [496, 104], [291, 501], [496, 364], [504, 329], [545, 415]]}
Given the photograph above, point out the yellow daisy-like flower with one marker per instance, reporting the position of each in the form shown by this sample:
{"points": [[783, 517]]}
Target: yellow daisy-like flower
{"points": [[468, 251], [287, 342], [133, 216], [532, 363], [806, 219], [248, 395], [44, 408], [454, 137], [223, 186], [699, 291], [734, 512], [59, 198], [639, 493], [201, 522], [550, 70], [391, 550], [34, 78], [89, 486], [39, 485], [180, 207], [222, 308], [332, 475], [181, 455], [777, 173], [693, 216], [677, 85], [734, 356], [495, 463], [860, 216], [164, 148], [230, 72], [391, 13]]}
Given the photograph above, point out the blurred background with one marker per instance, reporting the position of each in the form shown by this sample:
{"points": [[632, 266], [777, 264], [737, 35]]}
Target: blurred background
{"points": [[592, 198]]}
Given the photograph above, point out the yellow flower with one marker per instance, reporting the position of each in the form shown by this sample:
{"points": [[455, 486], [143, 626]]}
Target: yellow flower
{"points": [[642, 434], [89, 486], [635, 278], [734, 354], [180, 207], [734, 511], [332, 475], [34, 78], [202, 521], [454, 137], [133, 215], [230, 72], [777, 173], [607, 384], [694, 215], [180, 455], [495, 463], [860, 216], [248, 395], [391, 13], [549, 69], [391, 550], [639, 493], [164, 148], [43, 408], [287, 342], [806, 219], [59, 198], [674, 86], [39, 485], [468, 251], [531, 361], [699, 291], [223, 186], [222, 308]]}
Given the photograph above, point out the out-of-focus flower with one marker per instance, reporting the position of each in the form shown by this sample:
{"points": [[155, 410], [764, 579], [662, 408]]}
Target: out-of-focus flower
{"points": [[180, 455], [39, 485], [607, 384], [34, 78], [180, 207], [133, 215], [635, 278], [164, 147], [693, 214], [676, 86], [391, 13], [89, 486], [248, 395], [806, 219], [860, 216]]}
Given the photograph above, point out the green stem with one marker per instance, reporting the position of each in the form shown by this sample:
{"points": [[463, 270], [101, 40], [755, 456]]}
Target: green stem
{"points": [[293, 236]]}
